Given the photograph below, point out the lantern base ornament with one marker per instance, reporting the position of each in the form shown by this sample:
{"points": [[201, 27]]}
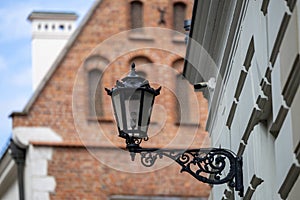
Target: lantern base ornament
{"points": [[206, 165]]}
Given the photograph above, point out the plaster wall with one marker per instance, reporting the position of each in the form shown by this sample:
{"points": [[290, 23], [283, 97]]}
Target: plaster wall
{"points": [[267, 156]]}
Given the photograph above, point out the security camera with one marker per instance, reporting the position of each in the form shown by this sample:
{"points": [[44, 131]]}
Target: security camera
{"points": [[210, 84], [199, 86]]}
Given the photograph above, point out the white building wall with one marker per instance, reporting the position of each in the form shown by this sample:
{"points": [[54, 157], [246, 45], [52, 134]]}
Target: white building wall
{"points": [[38, 184], [267, 149]]}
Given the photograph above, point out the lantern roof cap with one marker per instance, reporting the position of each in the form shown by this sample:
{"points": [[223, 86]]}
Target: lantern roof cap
{"points": [[133, 80]]}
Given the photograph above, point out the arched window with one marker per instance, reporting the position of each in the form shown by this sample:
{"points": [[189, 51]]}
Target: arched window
{"points": [[140, 60], [184, 101], [136, 14], [95, 93], [94, 67], [179, 12], [181, 92], [143, 64]]}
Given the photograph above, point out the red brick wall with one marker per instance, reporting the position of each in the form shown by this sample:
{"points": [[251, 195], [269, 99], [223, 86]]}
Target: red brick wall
{"points": [[77, 173], [53, 107], [81, 176]]}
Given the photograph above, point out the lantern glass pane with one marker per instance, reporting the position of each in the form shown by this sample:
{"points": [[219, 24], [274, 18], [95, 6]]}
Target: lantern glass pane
{"points": [[117, 109], [132, 107], [147, 109]]}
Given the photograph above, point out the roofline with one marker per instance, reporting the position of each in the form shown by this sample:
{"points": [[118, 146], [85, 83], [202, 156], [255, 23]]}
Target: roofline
{"points": [[6, 166], [5, 147], [5, 152], [58, 60], [52, 15], [17, 113]]}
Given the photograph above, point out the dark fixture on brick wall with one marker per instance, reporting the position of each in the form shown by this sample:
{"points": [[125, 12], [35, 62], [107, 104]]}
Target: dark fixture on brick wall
{"points": [[132, 100]]}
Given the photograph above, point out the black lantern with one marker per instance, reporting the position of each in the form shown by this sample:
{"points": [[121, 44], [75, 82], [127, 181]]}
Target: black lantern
{"points": [[133, 99]]}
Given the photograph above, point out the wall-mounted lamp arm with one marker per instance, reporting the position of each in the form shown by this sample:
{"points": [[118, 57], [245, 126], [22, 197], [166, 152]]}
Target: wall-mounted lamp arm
{"points": [[206, 165]]}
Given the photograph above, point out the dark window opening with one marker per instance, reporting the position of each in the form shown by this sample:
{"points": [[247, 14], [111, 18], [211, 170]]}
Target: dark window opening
{"points": [[136, 14], [61, 27], [95, 93], [179, 10], [139, 61], [184, 101]]}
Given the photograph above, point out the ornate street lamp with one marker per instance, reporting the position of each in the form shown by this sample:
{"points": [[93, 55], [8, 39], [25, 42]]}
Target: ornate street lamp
{"points": [[132, 100]]}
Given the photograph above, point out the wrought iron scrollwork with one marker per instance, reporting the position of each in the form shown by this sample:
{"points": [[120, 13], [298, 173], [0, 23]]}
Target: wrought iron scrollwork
{"points": [[206, 165]]}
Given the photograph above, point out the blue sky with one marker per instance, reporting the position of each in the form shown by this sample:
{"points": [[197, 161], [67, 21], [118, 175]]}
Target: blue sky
{"points": [[15, 53]]}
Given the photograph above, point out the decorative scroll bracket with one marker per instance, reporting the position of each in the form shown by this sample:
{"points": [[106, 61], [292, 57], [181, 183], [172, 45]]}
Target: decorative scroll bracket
{"points": [[206, 165]]}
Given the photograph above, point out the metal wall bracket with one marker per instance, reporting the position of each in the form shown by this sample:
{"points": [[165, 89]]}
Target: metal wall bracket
{"points": [[212, 166]]}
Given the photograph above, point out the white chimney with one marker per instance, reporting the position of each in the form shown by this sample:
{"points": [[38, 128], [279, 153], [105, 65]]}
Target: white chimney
{"points": [[50, 33]]}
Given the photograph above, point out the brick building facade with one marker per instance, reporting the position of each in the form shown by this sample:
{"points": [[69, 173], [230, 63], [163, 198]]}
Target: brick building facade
{"points": [[69, 134]]}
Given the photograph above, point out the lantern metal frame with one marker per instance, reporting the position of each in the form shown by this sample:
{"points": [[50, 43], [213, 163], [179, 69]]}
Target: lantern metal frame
{"points": [[206, 165], [132, 84]]}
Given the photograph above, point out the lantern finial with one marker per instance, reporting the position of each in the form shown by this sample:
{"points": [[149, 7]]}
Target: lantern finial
{"points": [[133, 66], [132, 71]]}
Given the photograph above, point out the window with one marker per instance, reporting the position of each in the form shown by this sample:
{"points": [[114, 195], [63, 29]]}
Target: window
{"points": [[140, 61], [182, 104], [184, 99], [142, 65], [95, 93], [61, 27], [181, 94], [179, 12], [136, 14], [95, 66]]}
